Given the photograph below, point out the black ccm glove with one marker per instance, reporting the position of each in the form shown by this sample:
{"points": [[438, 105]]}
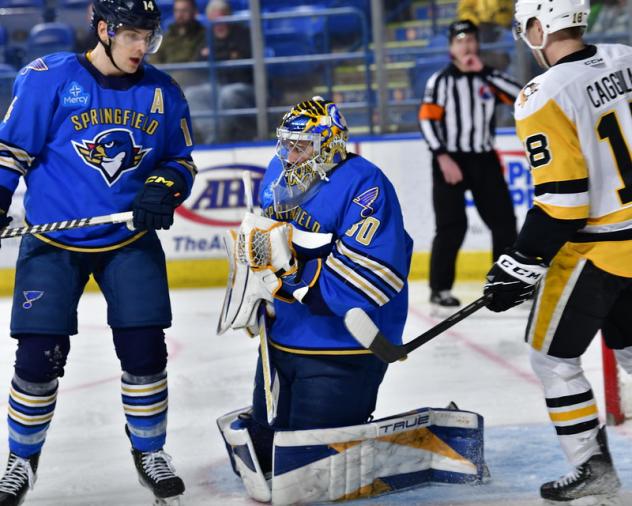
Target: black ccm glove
{"points": [[512, 280], [154, 204]]}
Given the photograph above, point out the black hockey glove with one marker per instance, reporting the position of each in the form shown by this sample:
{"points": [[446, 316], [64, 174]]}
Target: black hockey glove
{"points": [[512, 280], [5, 202], [162, 192]]}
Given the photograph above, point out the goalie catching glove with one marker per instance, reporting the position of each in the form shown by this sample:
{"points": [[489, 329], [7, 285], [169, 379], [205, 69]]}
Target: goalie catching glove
{"points": [[268, 247], [512, 280], [268, 244]]}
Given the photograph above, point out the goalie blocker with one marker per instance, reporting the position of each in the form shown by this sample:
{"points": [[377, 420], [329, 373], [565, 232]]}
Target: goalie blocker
{"points": [[427, 445]]}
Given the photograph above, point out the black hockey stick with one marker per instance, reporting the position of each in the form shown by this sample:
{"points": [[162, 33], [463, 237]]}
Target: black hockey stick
{"points": [[67, 225], [362, 328]]}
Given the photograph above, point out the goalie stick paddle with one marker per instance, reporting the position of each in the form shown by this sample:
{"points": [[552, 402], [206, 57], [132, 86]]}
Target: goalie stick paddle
{"points": [[362, 328], [67, 225]]}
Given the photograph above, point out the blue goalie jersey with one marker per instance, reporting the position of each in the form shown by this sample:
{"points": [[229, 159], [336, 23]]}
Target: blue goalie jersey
{"points": [[85, 143], [366, 265]]}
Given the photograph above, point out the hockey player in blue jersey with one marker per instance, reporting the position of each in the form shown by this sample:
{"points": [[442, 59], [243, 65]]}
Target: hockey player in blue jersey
{"points": [[94, 134], [348, 249]]}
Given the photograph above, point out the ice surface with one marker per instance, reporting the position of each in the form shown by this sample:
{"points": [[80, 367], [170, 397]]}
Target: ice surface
{"points": [[481, 364]]}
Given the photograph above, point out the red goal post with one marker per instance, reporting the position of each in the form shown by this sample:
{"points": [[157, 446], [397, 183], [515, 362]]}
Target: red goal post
{"points": [[617, 388]]}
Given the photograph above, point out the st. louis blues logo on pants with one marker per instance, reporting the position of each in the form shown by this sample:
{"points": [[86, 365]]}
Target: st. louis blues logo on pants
{"points": [[31, 296]]}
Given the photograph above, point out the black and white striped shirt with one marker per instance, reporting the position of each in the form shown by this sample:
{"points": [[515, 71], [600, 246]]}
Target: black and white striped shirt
{"points": [[457, 114]]}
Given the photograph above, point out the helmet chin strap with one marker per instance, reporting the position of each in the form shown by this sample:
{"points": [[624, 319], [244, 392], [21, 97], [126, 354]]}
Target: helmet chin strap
{"points": [[538, 51], [540, 57], [108, 51]]}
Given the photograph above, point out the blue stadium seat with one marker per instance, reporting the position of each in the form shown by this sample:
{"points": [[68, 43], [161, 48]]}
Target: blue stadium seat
{"points": [[313, 26], [7, 70], [46, 38], [73, 4], [290, 44], [22, 4], [4, 39], [239, 5], [293, 37], [348, 27], [7, 75], [423, 69]]}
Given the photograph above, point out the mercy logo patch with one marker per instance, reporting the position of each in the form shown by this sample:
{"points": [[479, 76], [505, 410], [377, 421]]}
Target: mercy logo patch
{"points": [[111, 152], [31, 296], [74, 96]]}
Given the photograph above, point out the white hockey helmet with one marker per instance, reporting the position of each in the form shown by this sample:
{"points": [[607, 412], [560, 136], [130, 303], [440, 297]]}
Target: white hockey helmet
{"points": [[554, 15]]}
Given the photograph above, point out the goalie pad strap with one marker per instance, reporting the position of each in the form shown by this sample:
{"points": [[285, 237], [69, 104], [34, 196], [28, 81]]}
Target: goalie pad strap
{"points": [[242, 454]]}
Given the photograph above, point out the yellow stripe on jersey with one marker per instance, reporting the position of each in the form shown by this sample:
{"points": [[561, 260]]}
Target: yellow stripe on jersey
{"points": [[563, 213], [566, 158], [553, 295], [615, 218], [610, 256]]}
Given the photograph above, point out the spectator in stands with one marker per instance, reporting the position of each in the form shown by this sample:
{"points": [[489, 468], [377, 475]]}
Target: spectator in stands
{"points": [[229, 41], [611, 17], [184, 41], [491, 17]]}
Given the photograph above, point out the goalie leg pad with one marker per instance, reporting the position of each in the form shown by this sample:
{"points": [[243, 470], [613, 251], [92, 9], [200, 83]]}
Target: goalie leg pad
{"points": [[396, 453], [234, 431]]}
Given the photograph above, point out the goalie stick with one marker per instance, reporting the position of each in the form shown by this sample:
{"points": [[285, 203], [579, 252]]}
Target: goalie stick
{"points": [[67, 225], [362, 328]]}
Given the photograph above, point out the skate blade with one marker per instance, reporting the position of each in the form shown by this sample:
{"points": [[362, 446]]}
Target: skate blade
{"points": [[162, 501], [591, 500]]}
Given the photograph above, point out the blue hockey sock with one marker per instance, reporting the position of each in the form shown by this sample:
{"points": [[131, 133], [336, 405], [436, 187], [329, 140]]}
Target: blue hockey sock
{"points": [[31, 408], [145, 401]]}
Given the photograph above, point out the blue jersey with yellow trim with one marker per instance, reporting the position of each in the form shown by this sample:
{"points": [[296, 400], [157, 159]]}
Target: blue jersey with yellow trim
{"points": [[85, 143], [367, 265]]}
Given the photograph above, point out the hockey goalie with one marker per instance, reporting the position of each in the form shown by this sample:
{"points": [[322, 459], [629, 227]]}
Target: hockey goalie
{"points": [[330, 237]]}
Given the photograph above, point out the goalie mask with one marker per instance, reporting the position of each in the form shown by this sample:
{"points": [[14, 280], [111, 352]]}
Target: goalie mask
{"points": [[312, 140]]}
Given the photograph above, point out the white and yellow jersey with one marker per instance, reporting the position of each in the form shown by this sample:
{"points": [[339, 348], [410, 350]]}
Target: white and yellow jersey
{"points": [[575, 122]]}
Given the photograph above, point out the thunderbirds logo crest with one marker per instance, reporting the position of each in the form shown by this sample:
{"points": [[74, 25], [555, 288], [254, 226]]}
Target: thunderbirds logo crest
{"points": [[111, 152]]}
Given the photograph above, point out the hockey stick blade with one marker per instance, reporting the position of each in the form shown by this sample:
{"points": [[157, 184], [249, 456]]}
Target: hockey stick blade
{"points": [[57, 226], [362, 328]]}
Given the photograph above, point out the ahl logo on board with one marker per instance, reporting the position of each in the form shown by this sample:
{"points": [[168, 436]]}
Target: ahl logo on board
{"points": [[217, 198]]}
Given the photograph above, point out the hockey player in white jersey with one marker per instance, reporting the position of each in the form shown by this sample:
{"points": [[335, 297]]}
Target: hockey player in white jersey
{"points": [[575, 121]]}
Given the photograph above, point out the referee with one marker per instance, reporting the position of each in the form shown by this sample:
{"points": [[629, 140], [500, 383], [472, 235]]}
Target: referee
{"points": [[457, 119]]}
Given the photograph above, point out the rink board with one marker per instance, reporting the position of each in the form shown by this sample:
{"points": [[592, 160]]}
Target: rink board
{"points": [[194, 245]]}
